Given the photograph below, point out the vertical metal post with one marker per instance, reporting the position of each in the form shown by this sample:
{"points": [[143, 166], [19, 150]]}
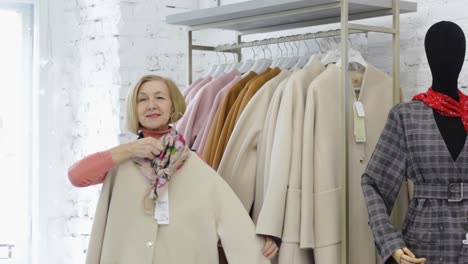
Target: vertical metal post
{"points": [[345, 107], [239, 51], [396, 52], [189, 58]]}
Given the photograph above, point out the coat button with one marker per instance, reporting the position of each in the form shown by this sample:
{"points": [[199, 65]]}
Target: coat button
{"points": [[150, 244]]}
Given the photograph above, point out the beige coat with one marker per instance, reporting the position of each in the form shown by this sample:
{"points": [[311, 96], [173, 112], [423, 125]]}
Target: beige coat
{"points": [[238, 165], [203, 209], [376, 95], [323, 164], [281, 210], [322, 167], [264, 154]]}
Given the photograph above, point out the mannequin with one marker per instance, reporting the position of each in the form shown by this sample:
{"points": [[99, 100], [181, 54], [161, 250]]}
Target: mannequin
{"points": [[423, 141], [445, 50]]}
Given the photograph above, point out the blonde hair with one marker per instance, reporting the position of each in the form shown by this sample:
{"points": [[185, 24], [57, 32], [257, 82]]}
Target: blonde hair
{"points": [[178, 103]]}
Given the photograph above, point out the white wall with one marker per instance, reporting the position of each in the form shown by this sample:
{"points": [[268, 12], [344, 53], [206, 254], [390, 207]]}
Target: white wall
{"points": [[79, 89], [92, 51]]}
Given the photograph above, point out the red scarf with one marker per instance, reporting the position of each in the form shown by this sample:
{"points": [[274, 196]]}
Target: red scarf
{"points": [[446, 105]]}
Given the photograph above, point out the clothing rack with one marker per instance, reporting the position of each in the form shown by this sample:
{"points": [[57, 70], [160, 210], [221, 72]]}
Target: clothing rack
{"points": [[236, 46], [253, 17]]}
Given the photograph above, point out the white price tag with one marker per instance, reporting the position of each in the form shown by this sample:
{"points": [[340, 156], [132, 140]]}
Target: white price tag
{"points": [[359, 127], [161, 211], [359, 109]]}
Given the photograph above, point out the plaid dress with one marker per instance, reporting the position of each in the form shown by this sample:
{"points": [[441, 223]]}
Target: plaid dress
{"points": [[412, 146]]}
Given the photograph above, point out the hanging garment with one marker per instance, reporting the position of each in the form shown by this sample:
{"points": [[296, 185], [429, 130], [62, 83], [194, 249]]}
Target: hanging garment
{"points": [[322, 166], [199, 143], [188, 89], [196, 88], [242, 100], [435, 227], [264, 153], [221, 115], [282, 202], [201, 206], [238, 164], [198, 109], [375, 96]]}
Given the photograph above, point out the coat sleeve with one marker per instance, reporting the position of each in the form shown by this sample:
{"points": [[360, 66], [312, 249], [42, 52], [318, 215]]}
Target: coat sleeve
{"points": [[93, 254], [239, 162], [235, 229], [272, 215], [307, 208], [381, 183]]}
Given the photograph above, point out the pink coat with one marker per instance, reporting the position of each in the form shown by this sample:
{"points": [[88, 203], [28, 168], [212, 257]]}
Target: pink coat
{"points": [[191, 124], [199, 144], [193, 91]]}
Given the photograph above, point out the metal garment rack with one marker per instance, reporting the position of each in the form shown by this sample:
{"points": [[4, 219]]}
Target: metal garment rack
{"points": [[269, 15]]}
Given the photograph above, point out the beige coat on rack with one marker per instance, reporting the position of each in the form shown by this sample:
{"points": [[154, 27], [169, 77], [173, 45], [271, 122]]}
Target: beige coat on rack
{"points": [[376, 96], [323, 167], [281, 210], [238, 165], [202, 207]]}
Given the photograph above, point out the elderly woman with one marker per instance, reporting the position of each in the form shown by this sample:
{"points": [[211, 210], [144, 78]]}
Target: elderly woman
{"points": [[160, 203]]}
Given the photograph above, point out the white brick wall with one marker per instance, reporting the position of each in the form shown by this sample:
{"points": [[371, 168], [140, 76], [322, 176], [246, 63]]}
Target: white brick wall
{"points": [[94, 50]]}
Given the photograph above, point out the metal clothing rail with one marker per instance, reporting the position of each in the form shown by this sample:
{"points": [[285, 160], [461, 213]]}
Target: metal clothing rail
{"points": [[262, 16], [255, 43]]}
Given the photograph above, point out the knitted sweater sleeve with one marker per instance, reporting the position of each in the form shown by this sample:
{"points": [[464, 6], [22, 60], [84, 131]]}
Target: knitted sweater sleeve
{"points": [[91, 169]]}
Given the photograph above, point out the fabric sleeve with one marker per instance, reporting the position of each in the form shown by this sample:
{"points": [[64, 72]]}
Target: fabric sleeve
{"points": [[91, 170], [307, 194], [239, 162], [381, 183], [235, 229], [93, 254], [272, 215]]}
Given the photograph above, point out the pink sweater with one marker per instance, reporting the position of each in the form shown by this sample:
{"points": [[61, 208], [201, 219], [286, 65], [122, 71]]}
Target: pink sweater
{"points": [[93, 169]]}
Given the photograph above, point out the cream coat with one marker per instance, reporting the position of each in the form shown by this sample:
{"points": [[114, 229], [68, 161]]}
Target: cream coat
{"points": [[203, 209], [322, 167], [282, 203], [238, 165]]}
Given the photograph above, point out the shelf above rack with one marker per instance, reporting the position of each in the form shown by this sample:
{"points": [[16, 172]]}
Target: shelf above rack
{"points": [[260, 16]]}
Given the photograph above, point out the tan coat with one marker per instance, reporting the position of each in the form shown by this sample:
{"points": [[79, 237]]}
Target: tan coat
{"points": [[203, 209], [221, 116], [281, 210], [241, 101]]}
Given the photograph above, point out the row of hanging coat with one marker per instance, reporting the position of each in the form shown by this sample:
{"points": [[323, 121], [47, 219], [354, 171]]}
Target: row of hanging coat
{"points": [[275, 135]]}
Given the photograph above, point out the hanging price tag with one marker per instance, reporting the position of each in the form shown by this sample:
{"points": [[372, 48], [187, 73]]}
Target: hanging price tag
{"points": [[359, 123], [359, 109], [161, 211]]}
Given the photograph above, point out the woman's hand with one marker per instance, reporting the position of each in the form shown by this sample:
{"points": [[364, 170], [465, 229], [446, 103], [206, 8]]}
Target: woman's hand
{"points": [[270, 249], [405, 256], [143, 148]]}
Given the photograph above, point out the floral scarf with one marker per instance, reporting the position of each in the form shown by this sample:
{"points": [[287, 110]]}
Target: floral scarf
{"points": [[446, 105], [160, 170]]}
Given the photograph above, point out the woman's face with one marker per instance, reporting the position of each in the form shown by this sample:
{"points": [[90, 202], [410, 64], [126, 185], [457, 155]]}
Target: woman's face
{"points": [[154, 105]]}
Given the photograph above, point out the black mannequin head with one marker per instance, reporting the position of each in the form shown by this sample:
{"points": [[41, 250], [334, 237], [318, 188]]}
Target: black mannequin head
{"points": [[445, 50]]}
